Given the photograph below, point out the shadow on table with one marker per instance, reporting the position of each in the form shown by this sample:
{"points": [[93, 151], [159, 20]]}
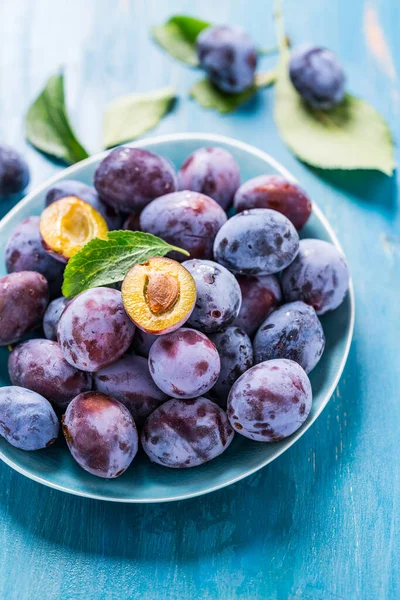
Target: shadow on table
{"points": [[370, 187], [272, 507]]}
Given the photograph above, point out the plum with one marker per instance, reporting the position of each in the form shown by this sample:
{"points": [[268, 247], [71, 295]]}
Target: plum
{"points": [[94, 329], [23, 300], [101, 434], [27, 420], [129, 381], [52, 317], [260, 296], [270, 401], [184, 364], [14, 171], [186, 433], [40, 366]]}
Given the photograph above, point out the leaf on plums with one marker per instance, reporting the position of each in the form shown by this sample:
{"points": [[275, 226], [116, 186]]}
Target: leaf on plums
{"points": [[209, 96], [104, 262], [178, 37], [352, 135], [48, 127], [130, 116]]}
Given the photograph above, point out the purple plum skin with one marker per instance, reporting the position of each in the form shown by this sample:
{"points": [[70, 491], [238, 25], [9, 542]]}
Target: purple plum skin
{"points": [[218, 296], [52, 317], [236, 354], [318, 276], [23, 300], [259, 241], [318, 76], [27, 420], [129, 178], [213, 172], [25, 252], [94, 330], [260, 296], [186, 433], [14, 171], [143, 341], [129, 381], [132, 222], [228, 56], [277, 193], [292, 331], [87, 193], [189, 220], [270, 401], [40, 366], [101, 434], [184, 363]]}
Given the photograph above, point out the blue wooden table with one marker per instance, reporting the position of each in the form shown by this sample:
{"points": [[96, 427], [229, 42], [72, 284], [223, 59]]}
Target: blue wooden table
{"points": [[322, 521]]}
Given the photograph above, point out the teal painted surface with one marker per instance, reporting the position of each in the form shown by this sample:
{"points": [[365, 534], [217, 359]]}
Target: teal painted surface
{"points": [[322, 521]]}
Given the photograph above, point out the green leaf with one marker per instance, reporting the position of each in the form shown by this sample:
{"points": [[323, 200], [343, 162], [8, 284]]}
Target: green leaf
{"points": [[130, 116], [103, 262], [48, 127], [178, 37], [350, 136], [209, 96]]}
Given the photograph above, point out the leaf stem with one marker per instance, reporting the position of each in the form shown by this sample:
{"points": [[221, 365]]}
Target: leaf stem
{"points": [[282, 39], [181, 250]]}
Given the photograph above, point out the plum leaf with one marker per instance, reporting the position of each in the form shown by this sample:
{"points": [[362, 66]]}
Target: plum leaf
{"points": [[104, 262], [130, 116], [48, 127], [178, 37], [209, 96], [353, 135]]}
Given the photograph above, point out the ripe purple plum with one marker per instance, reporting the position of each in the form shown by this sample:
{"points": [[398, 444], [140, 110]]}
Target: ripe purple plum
{"points": [[132, 222], [228, 56], [184, 363], [129, 381], [23, 300], [318, 276], [213, 172], [94, 330], [101, 434], [259, 241], [270, 401], [185, 219], [236, 355], [142, 342], [218, 297], [129, 178], [277, 193], [87, 193], [292, 331], [186, 433], [52, 317], [318, 76], [25, 252], [14, 171], [27, 420], [260, 296], [40, 366]]}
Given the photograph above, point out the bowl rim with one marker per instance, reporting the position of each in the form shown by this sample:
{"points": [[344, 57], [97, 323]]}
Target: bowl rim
{"points": [[214, 139]]}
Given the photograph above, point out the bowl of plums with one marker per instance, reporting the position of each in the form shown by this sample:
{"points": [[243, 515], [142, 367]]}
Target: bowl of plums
{"points": [[174, 314]]}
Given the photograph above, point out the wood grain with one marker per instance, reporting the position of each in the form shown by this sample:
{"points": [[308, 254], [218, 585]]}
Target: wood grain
{"points": [[322, 521]]}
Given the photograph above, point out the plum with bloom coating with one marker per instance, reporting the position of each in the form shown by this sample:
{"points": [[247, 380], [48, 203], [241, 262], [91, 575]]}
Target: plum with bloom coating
{"points": [[228, 56], [318, 76], [186, 433], [270, 401], [94, 329], [213, 172], [27, 420], [185, 363], [14, 171], [129, 178], [259, 241], [218, 297], [292, 331], [318, 276], [260, 296], [101, 434]]}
